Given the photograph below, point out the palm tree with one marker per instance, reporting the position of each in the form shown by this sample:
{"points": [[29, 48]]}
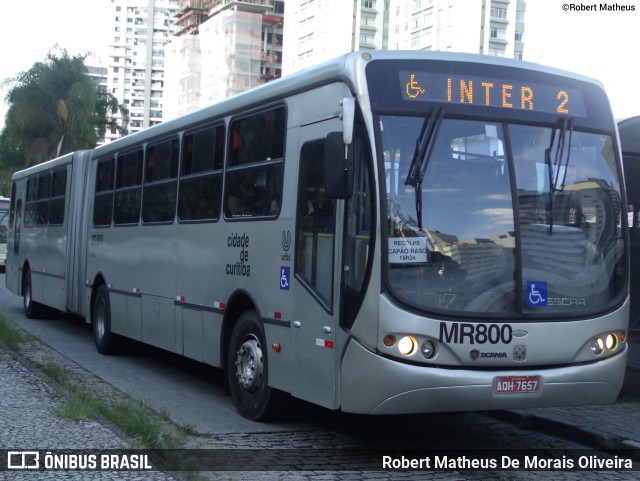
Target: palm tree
{"points": [[56, 108]]}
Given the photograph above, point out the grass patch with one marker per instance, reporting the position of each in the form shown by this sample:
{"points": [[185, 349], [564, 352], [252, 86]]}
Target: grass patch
{"points": [[78, 407], [12, 336], [53, 371], [138, 421], [188, 429]]}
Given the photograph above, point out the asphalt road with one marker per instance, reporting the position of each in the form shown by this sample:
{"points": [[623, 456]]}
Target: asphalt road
{"points": [[190, 392]]}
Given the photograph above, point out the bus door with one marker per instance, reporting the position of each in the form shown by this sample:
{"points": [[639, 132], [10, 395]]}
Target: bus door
{"points": [[315, 280], [632, 180], [12, 269], [629, 130]]}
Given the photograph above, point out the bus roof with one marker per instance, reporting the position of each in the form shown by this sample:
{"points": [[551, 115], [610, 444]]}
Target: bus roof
{"points": [[44, 165], [345, 68]]}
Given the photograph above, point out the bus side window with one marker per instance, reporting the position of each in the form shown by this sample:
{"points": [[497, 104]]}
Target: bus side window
{"points": [[103, 201], [201, 175], [30, 202], [126, 210], [160, 183], [58, 194], [253, 182], [12, 209], [42, 206], [315, 224]]}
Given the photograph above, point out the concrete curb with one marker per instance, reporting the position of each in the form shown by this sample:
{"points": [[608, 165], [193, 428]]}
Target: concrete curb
{"points": [[568, 430]]}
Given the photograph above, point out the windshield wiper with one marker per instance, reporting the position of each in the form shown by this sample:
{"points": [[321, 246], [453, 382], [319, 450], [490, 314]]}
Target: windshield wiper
{"points": [[424, 146], [554, 170]]}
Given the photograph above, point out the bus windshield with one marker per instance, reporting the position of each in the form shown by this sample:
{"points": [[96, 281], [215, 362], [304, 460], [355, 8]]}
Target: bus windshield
{"points": [[501, 218]]}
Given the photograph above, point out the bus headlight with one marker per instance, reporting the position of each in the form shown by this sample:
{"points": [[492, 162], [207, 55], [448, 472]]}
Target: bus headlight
{"points": [[407, 345], [597, 345], [611, 341], [428, 349]]}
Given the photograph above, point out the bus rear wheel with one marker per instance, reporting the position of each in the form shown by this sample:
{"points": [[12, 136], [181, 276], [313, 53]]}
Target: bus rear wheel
{"points": [[106, 341], [247, 370], [32, 309]]}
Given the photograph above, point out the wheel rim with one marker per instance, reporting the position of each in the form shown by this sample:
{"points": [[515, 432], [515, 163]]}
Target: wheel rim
{"points": [[100, 318], [27, 294], [249, 365]]}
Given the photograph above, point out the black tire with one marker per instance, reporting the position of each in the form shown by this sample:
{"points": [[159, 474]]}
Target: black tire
{"points": [[32, 309], [106, 341], [247, 370]]}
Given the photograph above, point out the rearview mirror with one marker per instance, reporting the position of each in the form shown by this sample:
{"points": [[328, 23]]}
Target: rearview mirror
{"points": [[338, 167]]}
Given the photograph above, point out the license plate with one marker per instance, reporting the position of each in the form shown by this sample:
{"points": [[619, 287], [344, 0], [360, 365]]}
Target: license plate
{"points": [[516, 384]]}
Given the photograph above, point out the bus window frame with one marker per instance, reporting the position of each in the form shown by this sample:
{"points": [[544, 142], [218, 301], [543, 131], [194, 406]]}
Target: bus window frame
{"points": [[271, 167], [149, 186], [215, 174], [120, 176], [57, 198], [107, 191], [31, 198], [42, 198]]}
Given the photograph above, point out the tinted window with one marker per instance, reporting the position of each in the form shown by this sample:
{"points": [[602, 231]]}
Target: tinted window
{"points": [[42, 206], [159, 198], [58, 192], [258, 138], [126, 208], [103, 201], [201, 176], [255, 171], [12, 215], [315, 224], [30, 205]]}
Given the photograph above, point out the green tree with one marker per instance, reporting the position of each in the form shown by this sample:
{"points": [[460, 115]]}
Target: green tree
{"points": [[56, 108]]}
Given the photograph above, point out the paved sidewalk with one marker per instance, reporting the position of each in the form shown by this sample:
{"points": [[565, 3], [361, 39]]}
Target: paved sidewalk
{"points": [[28, 421], [615, 426]]}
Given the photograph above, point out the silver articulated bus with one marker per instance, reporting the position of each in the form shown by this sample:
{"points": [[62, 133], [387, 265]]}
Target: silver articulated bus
{"points": [[389, 232]]}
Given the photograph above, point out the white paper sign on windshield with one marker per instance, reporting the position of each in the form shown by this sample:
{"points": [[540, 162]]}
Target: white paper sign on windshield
{"points": [[408, 250]]}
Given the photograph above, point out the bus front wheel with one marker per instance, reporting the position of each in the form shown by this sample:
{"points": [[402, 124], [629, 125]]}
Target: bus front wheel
{"points": [[247, 370], [106, 341]]}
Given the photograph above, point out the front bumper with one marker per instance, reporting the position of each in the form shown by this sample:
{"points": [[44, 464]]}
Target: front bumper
{"points": [[372, 384]]}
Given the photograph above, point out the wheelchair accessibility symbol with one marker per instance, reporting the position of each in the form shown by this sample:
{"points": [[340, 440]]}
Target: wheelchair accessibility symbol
{"points": [[413, 88], [536, 294], [285, 275]]}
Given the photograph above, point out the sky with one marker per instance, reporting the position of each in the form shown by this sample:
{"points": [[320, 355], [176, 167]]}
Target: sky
{"points": [[29, 31], [600, 44]]}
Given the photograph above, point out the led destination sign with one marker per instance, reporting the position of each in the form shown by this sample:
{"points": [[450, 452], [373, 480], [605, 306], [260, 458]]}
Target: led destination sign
{"points": [[487, 91]]}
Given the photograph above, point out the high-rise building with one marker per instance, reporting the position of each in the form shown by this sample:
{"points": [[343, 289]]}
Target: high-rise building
{"points": [[97, 73], [319, 30], [490, 27], [221, 48], [136, 68]]}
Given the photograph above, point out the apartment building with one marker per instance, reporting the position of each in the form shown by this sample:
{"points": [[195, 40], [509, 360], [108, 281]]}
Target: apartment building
{"points": [[319, 30], [221, 48], [136, 65], [489, 27]]}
